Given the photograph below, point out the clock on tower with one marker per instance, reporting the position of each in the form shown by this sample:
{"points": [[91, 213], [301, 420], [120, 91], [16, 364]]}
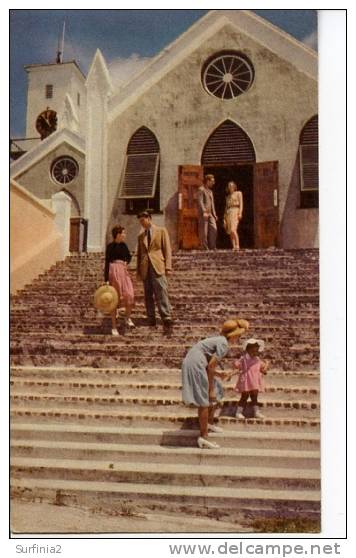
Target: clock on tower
{"points": [[46, 123]]}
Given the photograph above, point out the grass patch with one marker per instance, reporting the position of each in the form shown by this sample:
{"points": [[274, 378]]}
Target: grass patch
{"points": [[286, 525]]}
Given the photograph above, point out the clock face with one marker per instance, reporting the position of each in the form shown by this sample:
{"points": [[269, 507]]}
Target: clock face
{"points": [[46, 123]]}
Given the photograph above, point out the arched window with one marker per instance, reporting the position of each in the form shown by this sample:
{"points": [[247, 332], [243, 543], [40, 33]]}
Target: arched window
{"points": [[308, 163], [140, 179], [228, 144]]}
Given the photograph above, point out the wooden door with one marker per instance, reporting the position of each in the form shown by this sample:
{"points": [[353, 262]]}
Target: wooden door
{"points": [[190, 178], [74, 234], [266, 202]]}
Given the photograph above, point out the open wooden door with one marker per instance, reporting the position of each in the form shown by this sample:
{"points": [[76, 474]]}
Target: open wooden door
{"points": [[266, 201], [190, 178]]}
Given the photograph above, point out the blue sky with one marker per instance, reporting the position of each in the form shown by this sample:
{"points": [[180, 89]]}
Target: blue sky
{"points": [[125, 37]]}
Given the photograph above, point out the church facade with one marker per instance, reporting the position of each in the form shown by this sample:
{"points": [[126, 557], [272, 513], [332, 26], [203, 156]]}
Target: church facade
{"points": [[233, 96]]}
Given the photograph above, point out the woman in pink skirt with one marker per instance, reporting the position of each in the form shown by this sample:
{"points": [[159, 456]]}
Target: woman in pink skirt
{"points": [[250, 369], [117, 258]]}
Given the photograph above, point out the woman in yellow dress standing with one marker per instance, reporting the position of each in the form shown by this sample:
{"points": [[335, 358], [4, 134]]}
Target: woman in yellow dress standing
{"points": [[233, 213]]}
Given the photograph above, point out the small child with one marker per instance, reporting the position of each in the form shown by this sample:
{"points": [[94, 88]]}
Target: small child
{"points": [[250, 369]]}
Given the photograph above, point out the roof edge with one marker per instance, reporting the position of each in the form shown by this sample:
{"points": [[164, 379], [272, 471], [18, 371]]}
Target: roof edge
{"points": [[26, 66], [39, 151]]}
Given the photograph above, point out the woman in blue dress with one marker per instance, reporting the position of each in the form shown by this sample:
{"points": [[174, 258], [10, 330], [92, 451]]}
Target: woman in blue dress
{"points": [[200, 386]]}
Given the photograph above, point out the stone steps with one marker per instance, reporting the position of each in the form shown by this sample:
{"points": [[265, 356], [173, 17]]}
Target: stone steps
{"points": [[236, 457], [238, 503], [239, 436], [127, 345], [308, 408], [179, 290], [165, 473], [289, 393], [275, 378], [180, 293], [166, 416], [99, 420], [112, 353], [307, 328]]}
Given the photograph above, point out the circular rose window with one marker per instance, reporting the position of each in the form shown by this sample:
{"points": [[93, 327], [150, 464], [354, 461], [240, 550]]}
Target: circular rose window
{"points": [[64, 170], [227, 75]]}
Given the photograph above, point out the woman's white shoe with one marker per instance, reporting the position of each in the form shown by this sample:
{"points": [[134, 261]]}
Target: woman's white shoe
{"points": [[204, 443], [214, 428], [114, 332], [129, 322]]}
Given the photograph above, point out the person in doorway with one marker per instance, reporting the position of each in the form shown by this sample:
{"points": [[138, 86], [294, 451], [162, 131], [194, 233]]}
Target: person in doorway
{"points": [[200, 386], [207, 214], [117, 258], [233, 213], [154, 264], [250, 369]]}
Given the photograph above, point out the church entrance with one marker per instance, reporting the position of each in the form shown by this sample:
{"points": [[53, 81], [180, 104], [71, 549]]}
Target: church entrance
{"points": [[258, 182], [229, 154], [242, 175]]}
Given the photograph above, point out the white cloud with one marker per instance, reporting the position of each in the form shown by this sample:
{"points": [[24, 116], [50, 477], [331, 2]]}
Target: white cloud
{"points": [[311, 40], [83, 54], [123, 69]]}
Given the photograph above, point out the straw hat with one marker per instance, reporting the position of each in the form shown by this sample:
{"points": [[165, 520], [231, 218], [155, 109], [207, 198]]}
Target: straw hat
{"points": [[252, 341], [106, 299], [234, 327]]}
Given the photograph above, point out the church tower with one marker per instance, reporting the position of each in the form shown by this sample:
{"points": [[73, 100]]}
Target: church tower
{"points": [[49, 88]]}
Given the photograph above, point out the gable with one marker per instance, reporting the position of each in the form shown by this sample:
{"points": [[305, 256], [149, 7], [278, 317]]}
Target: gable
{"points": [[249, 26], [45, 147], [38, 181]]}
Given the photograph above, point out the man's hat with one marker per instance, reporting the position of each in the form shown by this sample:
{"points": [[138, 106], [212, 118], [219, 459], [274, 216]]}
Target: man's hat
{"points": [[106, 299]]}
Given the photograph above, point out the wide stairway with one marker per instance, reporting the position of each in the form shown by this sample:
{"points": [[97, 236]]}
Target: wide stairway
{"points": [[98, 420]]}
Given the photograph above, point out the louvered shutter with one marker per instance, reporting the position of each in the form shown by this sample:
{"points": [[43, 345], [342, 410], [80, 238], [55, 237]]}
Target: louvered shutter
{"points": [[309, 156], [139, 179], [228, 144]]}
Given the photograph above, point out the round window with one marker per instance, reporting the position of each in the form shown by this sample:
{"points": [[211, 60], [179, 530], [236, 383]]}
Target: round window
{"points": [[64, 170], [227, 75]]}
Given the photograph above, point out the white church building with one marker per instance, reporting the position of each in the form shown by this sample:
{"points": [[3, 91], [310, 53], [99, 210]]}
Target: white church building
{"points": [[233, 96]]}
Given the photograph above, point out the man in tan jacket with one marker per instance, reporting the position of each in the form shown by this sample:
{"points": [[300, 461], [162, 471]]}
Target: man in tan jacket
{"points": [[154, 263]]}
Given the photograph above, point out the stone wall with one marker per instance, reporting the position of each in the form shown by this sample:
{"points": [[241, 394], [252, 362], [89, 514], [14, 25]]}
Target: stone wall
{"points": [[35, 242]]}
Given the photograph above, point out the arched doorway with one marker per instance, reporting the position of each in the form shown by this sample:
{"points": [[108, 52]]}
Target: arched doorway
{"points": [[78, 226], [229, 154]]}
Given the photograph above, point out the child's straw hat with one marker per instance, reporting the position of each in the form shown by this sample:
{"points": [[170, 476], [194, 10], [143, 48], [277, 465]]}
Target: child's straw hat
{"points": [[106, 299]]}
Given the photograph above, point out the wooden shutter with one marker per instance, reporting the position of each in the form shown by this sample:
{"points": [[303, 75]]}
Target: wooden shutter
{"points": [[309, 167], [266, 214], [309, 155], [228, 144], [140, 176], [190, 178]]}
